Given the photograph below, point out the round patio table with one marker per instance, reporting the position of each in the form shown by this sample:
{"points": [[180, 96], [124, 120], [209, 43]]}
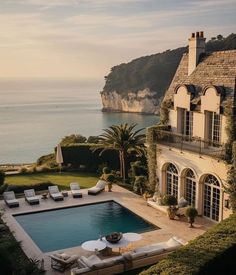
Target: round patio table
{"points": [[132, 237], [94, 245], [123, 242]]}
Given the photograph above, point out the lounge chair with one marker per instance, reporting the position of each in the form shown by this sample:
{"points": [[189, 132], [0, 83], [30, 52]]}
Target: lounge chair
{"points": [[10, 199], [62, 261], [99, 187], [55, 194], [75, 190], [30, 196]]}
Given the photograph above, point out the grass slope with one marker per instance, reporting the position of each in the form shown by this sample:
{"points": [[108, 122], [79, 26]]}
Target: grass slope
{"points": [[63, 179]]}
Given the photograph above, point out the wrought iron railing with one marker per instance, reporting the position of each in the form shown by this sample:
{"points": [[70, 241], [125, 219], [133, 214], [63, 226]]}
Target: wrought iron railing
{"points": [[187, 143]]}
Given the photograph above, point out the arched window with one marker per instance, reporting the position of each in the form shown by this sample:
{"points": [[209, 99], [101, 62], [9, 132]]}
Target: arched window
{"points": [[172, 180], [211, 205], [190, 187]]}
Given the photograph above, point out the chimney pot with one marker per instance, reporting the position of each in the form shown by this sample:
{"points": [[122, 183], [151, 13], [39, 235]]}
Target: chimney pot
{"points": [[193, 34], [202, 34], [197, 34]]}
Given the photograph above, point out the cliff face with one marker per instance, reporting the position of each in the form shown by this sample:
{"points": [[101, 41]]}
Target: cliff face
{"points": [[140, 85], [143, 101]]}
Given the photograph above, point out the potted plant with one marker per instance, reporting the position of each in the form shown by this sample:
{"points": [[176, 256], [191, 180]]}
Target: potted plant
{"points": [[110, 179], [191, 213], [171, 201]]}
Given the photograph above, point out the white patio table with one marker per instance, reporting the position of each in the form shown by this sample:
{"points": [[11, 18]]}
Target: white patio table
{"points": [[122, 243], [132, 237], [94, 245]]}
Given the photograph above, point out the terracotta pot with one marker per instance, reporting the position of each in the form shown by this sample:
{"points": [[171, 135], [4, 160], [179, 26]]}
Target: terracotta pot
{"points": [[109, 187], [171, 213]]}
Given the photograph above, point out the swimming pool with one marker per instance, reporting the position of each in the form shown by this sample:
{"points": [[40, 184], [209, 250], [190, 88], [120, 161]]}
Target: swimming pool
{"points": [[68, 227]]}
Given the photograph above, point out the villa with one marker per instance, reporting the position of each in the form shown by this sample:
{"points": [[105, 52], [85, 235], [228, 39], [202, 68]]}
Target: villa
{"points": [[189, 153]]}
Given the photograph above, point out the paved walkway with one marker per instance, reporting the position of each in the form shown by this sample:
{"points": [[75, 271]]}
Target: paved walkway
{"points": [[135, 203]]}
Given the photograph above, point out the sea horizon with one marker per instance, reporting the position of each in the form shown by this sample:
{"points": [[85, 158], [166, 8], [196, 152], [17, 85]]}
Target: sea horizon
{"points": [[35, 114]]}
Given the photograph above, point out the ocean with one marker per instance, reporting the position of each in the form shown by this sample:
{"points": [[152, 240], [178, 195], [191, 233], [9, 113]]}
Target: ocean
{"points": [[36, 114]]}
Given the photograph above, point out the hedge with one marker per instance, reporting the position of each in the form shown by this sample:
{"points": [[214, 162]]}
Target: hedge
{"points": [[214, 252], [83, 154]]}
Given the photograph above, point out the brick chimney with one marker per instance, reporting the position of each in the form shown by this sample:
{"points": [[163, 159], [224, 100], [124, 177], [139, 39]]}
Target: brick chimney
{"points": [[196, 48]]}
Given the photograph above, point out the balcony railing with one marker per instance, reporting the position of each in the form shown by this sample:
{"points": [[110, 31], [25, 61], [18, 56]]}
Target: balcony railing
{"points": [[187, 143]]}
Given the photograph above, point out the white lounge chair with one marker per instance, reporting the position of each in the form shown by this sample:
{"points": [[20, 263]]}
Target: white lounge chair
{"points": [[99, 187], [61, 261], [30, 196], [10, 199], [55, 194], [75, 190]]}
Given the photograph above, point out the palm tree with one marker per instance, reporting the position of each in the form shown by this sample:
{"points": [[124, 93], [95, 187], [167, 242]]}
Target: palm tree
{"points": [[123, 139]]}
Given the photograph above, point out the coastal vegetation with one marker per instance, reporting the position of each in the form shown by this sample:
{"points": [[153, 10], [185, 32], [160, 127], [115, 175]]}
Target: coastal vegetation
{"points": [[156, 71], [12, 258], [213, 252], [124, 139]]}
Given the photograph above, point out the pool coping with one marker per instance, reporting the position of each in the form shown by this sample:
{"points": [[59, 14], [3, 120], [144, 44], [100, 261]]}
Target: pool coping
{"points": [[125, 198]]}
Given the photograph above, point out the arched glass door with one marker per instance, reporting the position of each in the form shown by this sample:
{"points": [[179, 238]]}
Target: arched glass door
{"points": [[190, 187], [172, 180], [211, 205]]}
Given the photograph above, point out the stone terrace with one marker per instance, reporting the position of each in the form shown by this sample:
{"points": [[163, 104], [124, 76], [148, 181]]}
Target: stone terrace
{"points": [[135, 203]]}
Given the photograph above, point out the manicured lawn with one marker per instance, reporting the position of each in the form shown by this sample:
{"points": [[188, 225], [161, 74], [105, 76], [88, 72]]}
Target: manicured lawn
{"points": [[63, 179]]}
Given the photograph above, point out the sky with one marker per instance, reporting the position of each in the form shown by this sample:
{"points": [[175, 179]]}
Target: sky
{"points": [[83, 39]]}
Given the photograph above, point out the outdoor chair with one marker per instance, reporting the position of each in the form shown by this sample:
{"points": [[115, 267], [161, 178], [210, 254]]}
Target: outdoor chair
{"points": [[99, 187], [30, 197], [10, 199], [62, 261], [75, 190], [55, 194]]}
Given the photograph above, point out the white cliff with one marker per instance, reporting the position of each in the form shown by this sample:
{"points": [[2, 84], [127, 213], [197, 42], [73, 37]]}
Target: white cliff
{"points": [[143, 101]]}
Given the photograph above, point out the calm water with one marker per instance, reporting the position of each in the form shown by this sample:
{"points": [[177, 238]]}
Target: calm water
{"points": [[35, 115], [69, 227]]}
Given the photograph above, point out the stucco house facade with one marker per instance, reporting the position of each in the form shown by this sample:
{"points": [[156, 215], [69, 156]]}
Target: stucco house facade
{"points": [[188, 154]]}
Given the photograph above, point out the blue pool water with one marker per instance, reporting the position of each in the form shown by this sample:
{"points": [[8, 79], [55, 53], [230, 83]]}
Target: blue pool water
{"points": [[69, 227]]}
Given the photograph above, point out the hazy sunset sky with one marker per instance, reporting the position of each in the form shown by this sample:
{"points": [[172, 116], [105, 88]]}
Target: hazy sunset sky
{"points": [[84, 38]]}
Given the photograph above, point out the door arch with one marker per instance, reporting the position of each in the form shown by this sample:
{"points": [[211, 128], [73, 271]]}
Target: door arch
{"points": [[190, 187], [172, 179], [211, 197]]}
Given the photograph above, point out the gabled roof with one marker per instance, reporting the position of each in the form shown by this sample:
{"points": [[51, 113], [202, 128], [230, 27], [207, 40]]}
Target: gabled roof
{"points": [[216, 68]]}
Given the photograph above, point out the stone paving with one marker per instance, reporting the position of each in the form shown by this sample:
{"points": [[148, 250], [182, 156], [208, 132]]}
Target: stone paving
{"points": [[135, 203]]}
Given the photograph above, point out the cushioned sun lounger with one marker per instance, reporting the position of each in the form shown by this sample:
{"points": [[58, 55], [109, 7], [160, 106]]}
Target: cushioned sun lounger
{"points": [[61, 261], [75, 190], [30, 196], [99, 187], [55, 194], [10, 199]]}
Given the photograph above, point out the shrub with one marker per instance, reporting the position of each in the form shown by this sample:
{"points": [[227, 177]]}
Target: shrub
{"points": [[50, 158], [110, 178], [23, 170], [138, 169], [2, 177], [37, 187], [106, 170], [93, 139], [213, 252], [169, 200], [73, 139], [3, 187], [140, 185], [191, 212]]}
